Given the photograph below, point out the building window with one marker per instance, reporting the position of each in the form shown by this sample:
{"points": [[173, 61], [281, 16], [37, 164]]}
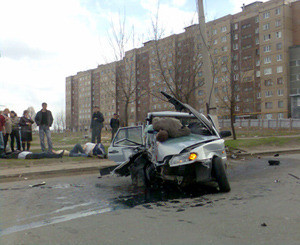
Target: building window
{"points": [[279, 69], [237, 108], [235, 46], [214, 32], [237, 97], [267, 37], [269, 105], [280, 115], [277, 23], [279, 57], [266, 26], [267, 48], [224, 49], [236, 77], [277, 11], [256, 40], [267, 60], [235, 67], [215, 80], [236, 26], [256, 30], [235, 57], [258, 95], [258, 63], [236, 37], [256, 19], [266, 15], [269, 93], [246, 26], [268, 71], [279, 80], [268, 116], [223, 39], [278, 34], [223, 28], [268, 82], [215, 51], [200, 92], [280, 104], [224, 69], [280, 92], [278, 46], [257, 73], [215, 41]]}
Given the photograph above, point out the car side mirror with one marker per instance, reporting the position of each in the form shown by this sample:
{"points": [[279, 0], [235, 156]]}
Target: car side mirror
{"points": [[225, 134]]}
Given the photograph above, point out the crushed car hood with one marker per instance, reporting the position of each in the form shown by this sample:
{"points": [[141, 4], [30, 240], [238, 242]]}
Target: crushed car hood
{"points": [[174, 146]]}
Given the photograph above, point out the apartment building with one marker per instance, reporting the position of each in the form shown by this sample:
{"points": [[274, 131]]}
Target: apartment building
{"points": [[250, 61]]}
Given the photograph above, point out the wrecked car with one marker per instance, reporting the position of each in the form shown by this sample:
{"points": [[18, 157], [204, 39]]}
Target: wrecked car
{"points": [[197, 157]]}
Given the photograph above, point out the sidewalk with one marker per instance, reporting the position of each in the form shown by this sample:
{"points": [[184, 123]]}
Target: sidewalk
{"points": [[67, 168]]}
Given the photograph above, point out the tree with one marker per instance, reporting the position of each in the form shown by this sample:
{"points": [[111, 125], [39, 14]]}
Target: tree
{"points": [[32, 115], [178, 64], [60, 122], [124, 80]]}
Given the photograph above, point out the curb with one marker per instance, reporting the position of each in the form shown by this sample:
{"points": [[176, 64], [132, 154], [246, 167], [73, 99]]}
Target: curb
{"points": [[52, 173], [272, 152]]}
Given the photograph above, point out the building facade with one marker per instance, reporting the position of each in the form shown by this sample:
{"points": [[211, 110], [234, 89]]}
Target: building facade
{"points": [[254, 67]]}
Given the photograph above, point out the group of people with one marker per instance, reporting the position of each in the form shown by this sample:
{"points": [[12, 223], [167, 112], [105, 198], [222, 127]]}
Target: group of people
{"points": [[19, 130]]}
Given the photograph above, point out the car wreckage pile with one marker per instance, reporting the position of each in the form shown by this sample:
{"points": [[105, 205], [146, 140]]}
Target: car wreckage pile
{"points": [[181, 146]]}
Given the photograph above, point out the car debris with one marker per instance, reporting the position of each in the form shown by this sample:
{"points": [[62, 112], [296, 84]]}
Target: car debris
{"points": [[276, 155], [296, 177], [190, 151], [273, 162], [39, 184], [263, 225]]}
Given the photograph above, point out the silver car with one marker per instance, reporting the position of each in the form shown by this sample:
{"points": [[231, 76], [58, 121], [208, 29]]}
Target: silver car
{"points": [[196, 158]]}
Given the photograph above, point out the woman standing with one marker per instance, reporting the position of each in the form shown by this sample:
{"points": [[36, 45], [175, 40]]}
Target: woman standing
{"points": [[26, 130], [15, 134]]}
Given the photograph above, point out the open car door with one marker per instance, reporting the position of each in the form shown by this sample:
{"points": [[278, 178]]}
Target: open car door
{"points": [[126, 142]]}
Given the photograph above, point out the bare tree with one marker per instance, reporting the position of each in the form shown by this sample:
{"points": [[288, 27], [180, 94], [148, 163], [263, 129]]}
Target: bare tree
{"points": [[124, 79], [178, 63], [60, 122], [32, 114]]}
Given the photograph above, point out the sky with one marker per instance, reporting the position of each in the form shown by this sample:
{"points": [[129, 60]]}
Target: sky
{"points": [[42, 42]]}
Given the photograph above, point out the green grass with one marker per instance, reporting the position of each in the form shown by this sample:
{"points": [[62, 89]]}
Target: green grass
{"points": [[263, 142]]}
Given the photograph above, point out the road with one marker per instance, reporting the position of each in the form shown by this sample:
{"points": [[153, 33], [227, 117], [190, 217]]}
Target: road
{"points": [[262, 208]]}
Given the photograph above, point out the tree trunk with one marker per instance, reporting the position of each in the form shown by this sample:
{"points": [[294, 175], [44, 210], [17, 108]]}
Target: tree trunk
{"points": [[232, 119]]}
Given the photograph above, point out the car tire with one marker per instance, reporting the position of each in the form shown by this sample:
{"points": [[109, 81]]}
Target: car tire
{"points": [[220, 174]]}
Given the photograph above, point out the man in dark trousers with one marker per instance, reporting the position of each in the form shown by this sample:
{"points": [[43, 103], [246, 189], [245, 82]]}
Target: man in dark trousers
{"points": [[96, 124], [44, 120], [114, 124]]}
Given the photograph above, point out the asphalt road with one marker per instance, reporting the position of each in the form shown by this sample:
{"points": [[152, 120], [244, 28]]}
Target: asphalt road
{"points": [[262, 208]]}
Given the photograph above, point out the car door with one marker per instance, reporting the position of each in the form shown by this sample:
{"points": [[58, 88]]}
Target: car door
{"points": [[125, 143]]}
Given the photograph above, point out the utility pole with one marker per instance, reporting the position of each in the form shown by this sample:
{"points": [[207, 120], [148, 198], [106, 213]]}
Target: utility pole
{"points": [[207, 62]]}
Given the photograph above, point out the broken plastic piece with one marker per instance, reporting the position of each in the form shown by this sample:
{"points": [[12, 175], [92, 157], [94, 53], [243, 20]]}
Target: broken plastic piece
{"points": [[274, 162], [36, 185]]}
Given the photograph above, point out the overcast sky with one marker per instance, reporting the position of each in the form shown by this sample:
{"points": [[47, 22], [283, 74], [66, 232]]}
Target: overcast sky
{"points": [[42, 41]]}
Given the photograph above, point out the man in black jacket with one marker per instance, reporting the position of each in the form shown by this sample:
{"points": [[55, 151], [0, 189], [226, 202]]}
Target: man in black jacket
{"points": [[96, 124], [44, 120], [114, 124]]}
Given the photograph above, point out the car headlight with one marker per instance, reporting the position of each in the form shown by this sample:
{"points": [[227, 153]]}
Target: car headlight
{"points": [[182, 159]]}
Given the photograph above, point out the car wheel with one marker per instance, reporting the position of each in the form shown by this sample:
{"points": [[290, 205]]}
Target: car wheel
{"points": [[220, 174]]}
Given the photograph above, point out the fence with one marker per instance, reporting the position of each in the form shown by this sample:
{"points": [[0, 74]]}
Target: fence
{"points": [[290, 123]]}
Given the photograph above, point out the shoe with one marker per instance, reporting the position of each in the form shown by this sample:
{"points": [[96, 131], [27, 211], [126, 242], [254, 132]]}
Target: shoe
{"points": [[61, 154]]}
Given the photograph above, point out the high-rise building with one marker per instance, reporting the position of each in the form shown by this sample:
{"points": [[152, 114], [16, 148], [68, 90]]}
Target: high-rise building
{"points": [[254, 61]]}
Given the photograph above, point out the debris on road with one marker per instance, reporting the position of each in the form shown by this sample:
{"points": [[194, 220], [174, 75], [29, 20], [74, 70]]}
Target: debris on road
{"points": [[294, 176], [276, 155], [40, 184], [233, 156], [273, 162], [263, 225], [276, 181]]}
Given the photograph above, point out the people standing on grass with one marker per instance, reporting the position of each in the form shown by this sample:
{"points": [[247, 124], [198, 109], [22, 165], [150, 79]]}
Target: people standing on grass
{"points": [[96, 124], [114, 124], [26, 130], [15, 133], [2, 132], [8, 127], [44, 120]]}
